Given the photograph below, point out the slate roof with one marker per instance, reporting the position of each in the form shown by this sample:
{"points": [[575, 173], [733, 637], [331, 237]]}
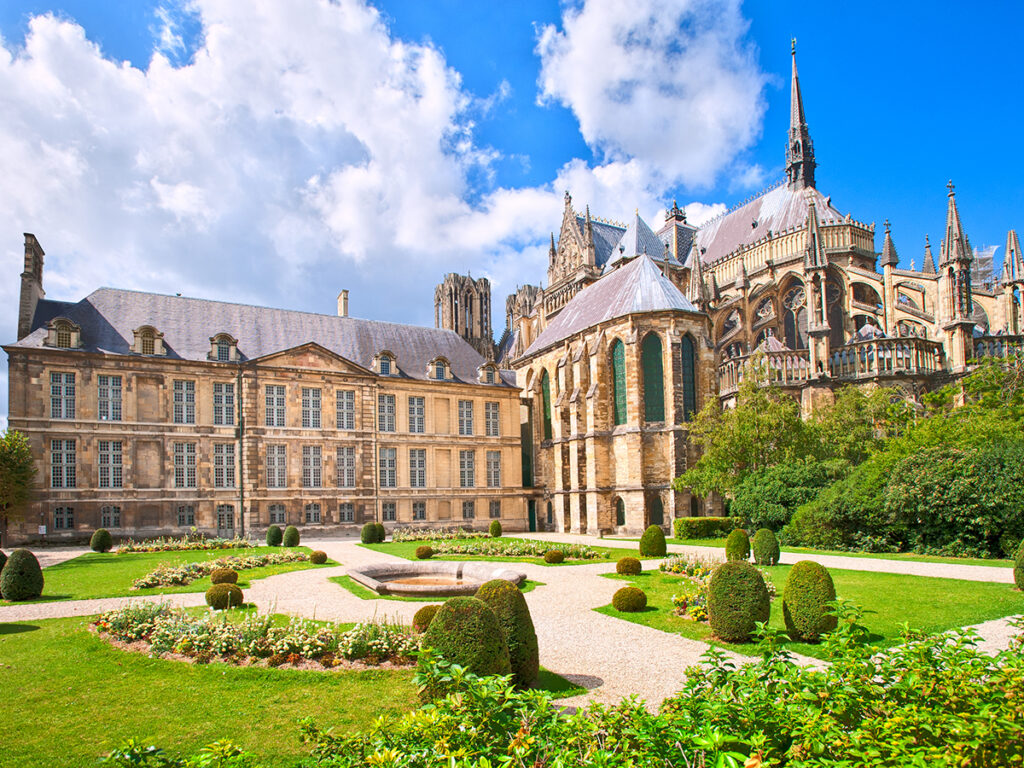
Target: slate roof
{"points": [[109, 316], [637, 286], [606, 238], [684, 240], [636, 240]]}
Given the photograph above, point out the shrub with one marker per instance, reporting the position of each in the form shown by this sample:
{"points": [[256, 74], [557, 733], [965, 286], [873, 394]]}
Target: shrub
{"points": [[21, 578], [629, 600], [765, 547], [224, 576], [554, 556], [509, 605], [737, 545], [1018, 567], [222, 596], [318, 557], [382, 532], [652, 543], [628, 565], [495, 529], [737, 600], [466, 632], [768, 497], [806, 601], [705, 527], [424, 552], [422, 618], [101, 541], [291, 536], [274, 536], [368, 534], [3, 560]]}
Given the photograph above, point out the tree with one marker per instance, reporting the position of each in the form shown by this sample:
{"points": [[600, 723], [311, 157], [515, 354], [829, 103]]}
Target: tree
{"points": [[17, 471], [858, 422]]}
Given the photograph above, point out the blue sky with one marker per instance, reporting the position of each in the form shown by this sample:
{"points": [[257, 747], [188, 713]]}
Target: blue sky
{"points": [[275, 152]]}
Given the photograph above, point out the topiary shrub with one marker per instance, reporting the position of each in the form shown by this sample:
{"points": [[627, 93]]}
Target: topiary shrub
{"points": [[509, 605], [737, 545], [368, 534], [495, 529], [628, 565], [465, 631], [422, 618], [737, 600], [554, 556], [424, 552], [274, 536], [318, 557], [21, 578], [1018, 567], [101, 541], [224, 576], [629, 600], [223, 596], [765, 547], [291, 536], [382, 532], [704, 527], [652, 543], [805, 602]]}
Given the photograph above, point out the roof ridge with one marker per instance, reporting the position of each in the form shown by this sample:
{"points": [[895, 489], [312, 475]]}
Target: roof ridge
{"points": [[736, 206]]}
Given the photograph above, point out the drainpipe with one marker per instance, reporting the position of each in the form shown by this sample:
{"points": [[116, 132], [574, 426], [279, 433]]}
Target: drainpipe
{"points": [[240, 431], [376, 458]]}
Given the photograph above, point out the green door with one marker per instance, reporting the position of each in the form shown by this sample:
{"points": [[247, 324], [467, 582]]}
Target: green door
{"points": [[531, 508]]}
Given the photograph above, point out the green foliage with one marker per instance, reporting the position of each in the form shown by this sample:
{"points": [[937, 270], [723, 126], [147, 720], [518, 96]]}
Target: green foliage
{"points": [[628, 565], [554, 556], [495, 529], [422, 618], [858, 422], [629, 600], [652, 542], [368, 534], [705, 527], [768, 497], [101, 540], [274, 536], [21, 578], [509, 605], [220, 754], [1018, 567], [737, 545], [807, 602], [737, 601], [382, 532], [291, 537], [765, 547], [17, 472], [3, 561], [223, 596], [466, 632], [424, 552], [224, 576], [318, 557]]}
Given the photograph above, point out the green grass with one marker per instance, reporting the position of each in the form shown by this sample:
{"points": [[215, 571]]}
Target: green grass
{"points": [[557, 685], [110, 575], [925, 603], [365, 593], [407, 550]]}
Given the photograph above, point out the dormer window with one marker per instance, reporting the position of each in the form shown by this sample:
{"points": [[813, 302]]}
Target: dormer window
{"points": [[148, 341], [488, 373], [223, 348], [438, 369], [385, 363], [63, 334]]}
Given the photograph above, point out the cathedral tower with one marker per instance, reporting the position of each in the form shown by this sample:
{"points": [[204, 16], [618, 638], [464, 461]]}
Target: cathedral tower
{"points": [[800, 163], [463, 305]]}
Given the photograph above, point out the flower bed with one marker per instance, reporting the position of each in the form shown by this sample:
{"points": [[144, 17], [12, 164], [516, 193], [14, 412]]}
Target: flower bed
{"points": [[693, 601], [515, 548], [165, 630], [184, 544], [177, 575], [435, 534]]}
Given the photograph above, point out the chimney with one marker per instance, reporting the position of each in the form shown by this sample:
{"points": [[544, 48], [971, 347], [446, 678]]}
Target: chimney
{"points": [[31, 285], [343, 304]]}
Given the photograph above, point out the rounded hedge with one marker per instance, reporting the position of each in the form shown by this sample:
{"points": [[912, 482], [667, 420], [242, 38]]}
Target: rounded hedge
{"points": [[318, 557], [424, 552], [422, 618], [495, 529], [21, 578], [222, 596], [1018, 567], [554, 556], [368, 534], [765, 547], [629, 600], [628, 565], [382, 532], [652, 543], [274, 536], [224, 576], [805, 601], [737, 545], [101, 541], [509, 605], [466, 632], [737, 600], [291, 536]]}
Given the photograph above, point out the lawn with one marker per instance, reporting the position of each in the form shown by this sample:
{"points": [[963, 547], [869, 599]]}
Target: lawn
{"points": [[110, 575], [365, 593], [887, 600], [407, 549]]}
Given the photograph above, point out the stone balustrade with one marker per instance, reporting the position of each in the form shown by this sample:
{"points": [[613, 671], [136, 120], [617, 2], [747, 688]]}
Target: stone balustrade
{"points": [[998, 346], [885, 357]]}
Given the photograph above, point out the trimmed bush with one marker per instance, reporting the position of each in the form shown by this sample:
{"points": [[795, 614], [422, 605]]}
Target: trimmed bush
{"points": [[274, 536], [509, 605], [554, 556], [21, 578], [737, 545], [737, 600], [382, 532], [652, 543], [765, 547], [368, 534], [1018, 567], [628, 565], [223, 596], [424, 552], [224, 576], [495, 529], [805, 601], [705, 527], [422, 618], [291, 537], [629, 600], [465, 631], [101, 541], [3, 560], [318, 557]]}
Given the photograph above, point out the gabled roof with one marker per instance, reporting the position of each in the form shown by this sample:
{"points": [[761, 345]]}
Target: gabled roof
{"points": [[636, 240], [637, 286], [606, 237]]}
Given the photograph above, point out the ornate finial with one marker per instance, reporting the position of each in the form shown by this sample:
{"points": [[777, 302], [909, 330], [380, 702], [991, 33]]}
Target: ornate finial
{"points": [[927, 242], [886, 223], [636, 211], [568, 197], [792, 45], [949, 186]]}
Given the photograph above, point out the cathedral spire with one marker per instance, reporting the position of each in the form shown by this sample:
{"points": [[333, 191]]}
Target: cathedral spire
{"points": [[889, 257], [928, 263], [955, 246], [814, 256], [800, 163], [1014, 259]]}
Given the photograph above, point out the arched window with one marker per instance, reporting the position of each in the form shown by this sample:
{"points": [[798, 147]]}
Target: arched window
{"points": [[545, 389], [64, 335], [694, 506], [689, 379], [655, 511], [795, 317], [620, 512], [654, 378], [619, 381]]}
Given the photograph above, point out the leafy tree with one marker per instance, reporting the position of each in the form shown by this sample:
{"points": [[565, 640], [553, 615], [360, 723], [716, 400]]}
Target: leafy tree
{"points": [[768, 497], [17, 471], [858, 422]]}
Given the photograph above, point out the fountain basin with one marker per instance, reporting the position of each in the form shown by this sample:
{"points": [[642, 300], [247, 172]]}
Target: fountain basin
{"points": [[442, 578]]}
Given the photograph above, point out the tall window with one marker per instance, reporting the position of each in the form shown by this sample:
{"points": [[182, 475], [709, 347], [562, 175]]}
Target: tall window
{"points": [[386, 413], [184, 402], [495, 510], [388, 512], [63, 518], [62, 395], [223, 465], [439, 371], [468, 510], [346, 464], [184, 465], [109, 463], [418, 467], [620, 511], [416, 410], [419, 510], [492, 416], [346, 409], [346, 513], [62, 464], [619, 381], [794, 317], [654, 378], [310, 408], [385, 366], [388, 467], [467, 469], [225, 519], [223, 351], [494, 469], [110, 517], [313, 513], [277, 514], [186, 515], [274, 405], [148, 341], [109, 398], [312, 467], [277, 466], [489, 376], [545, 391], [689, 371], [465, 417], [223, 404], [64, 336]]}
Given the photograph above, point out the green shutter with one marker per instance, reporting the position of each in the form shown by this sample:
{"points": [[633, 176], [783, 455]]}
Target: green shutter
{"points": [[545, 386], [619, 381], [689, 380], [654, 378]]}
